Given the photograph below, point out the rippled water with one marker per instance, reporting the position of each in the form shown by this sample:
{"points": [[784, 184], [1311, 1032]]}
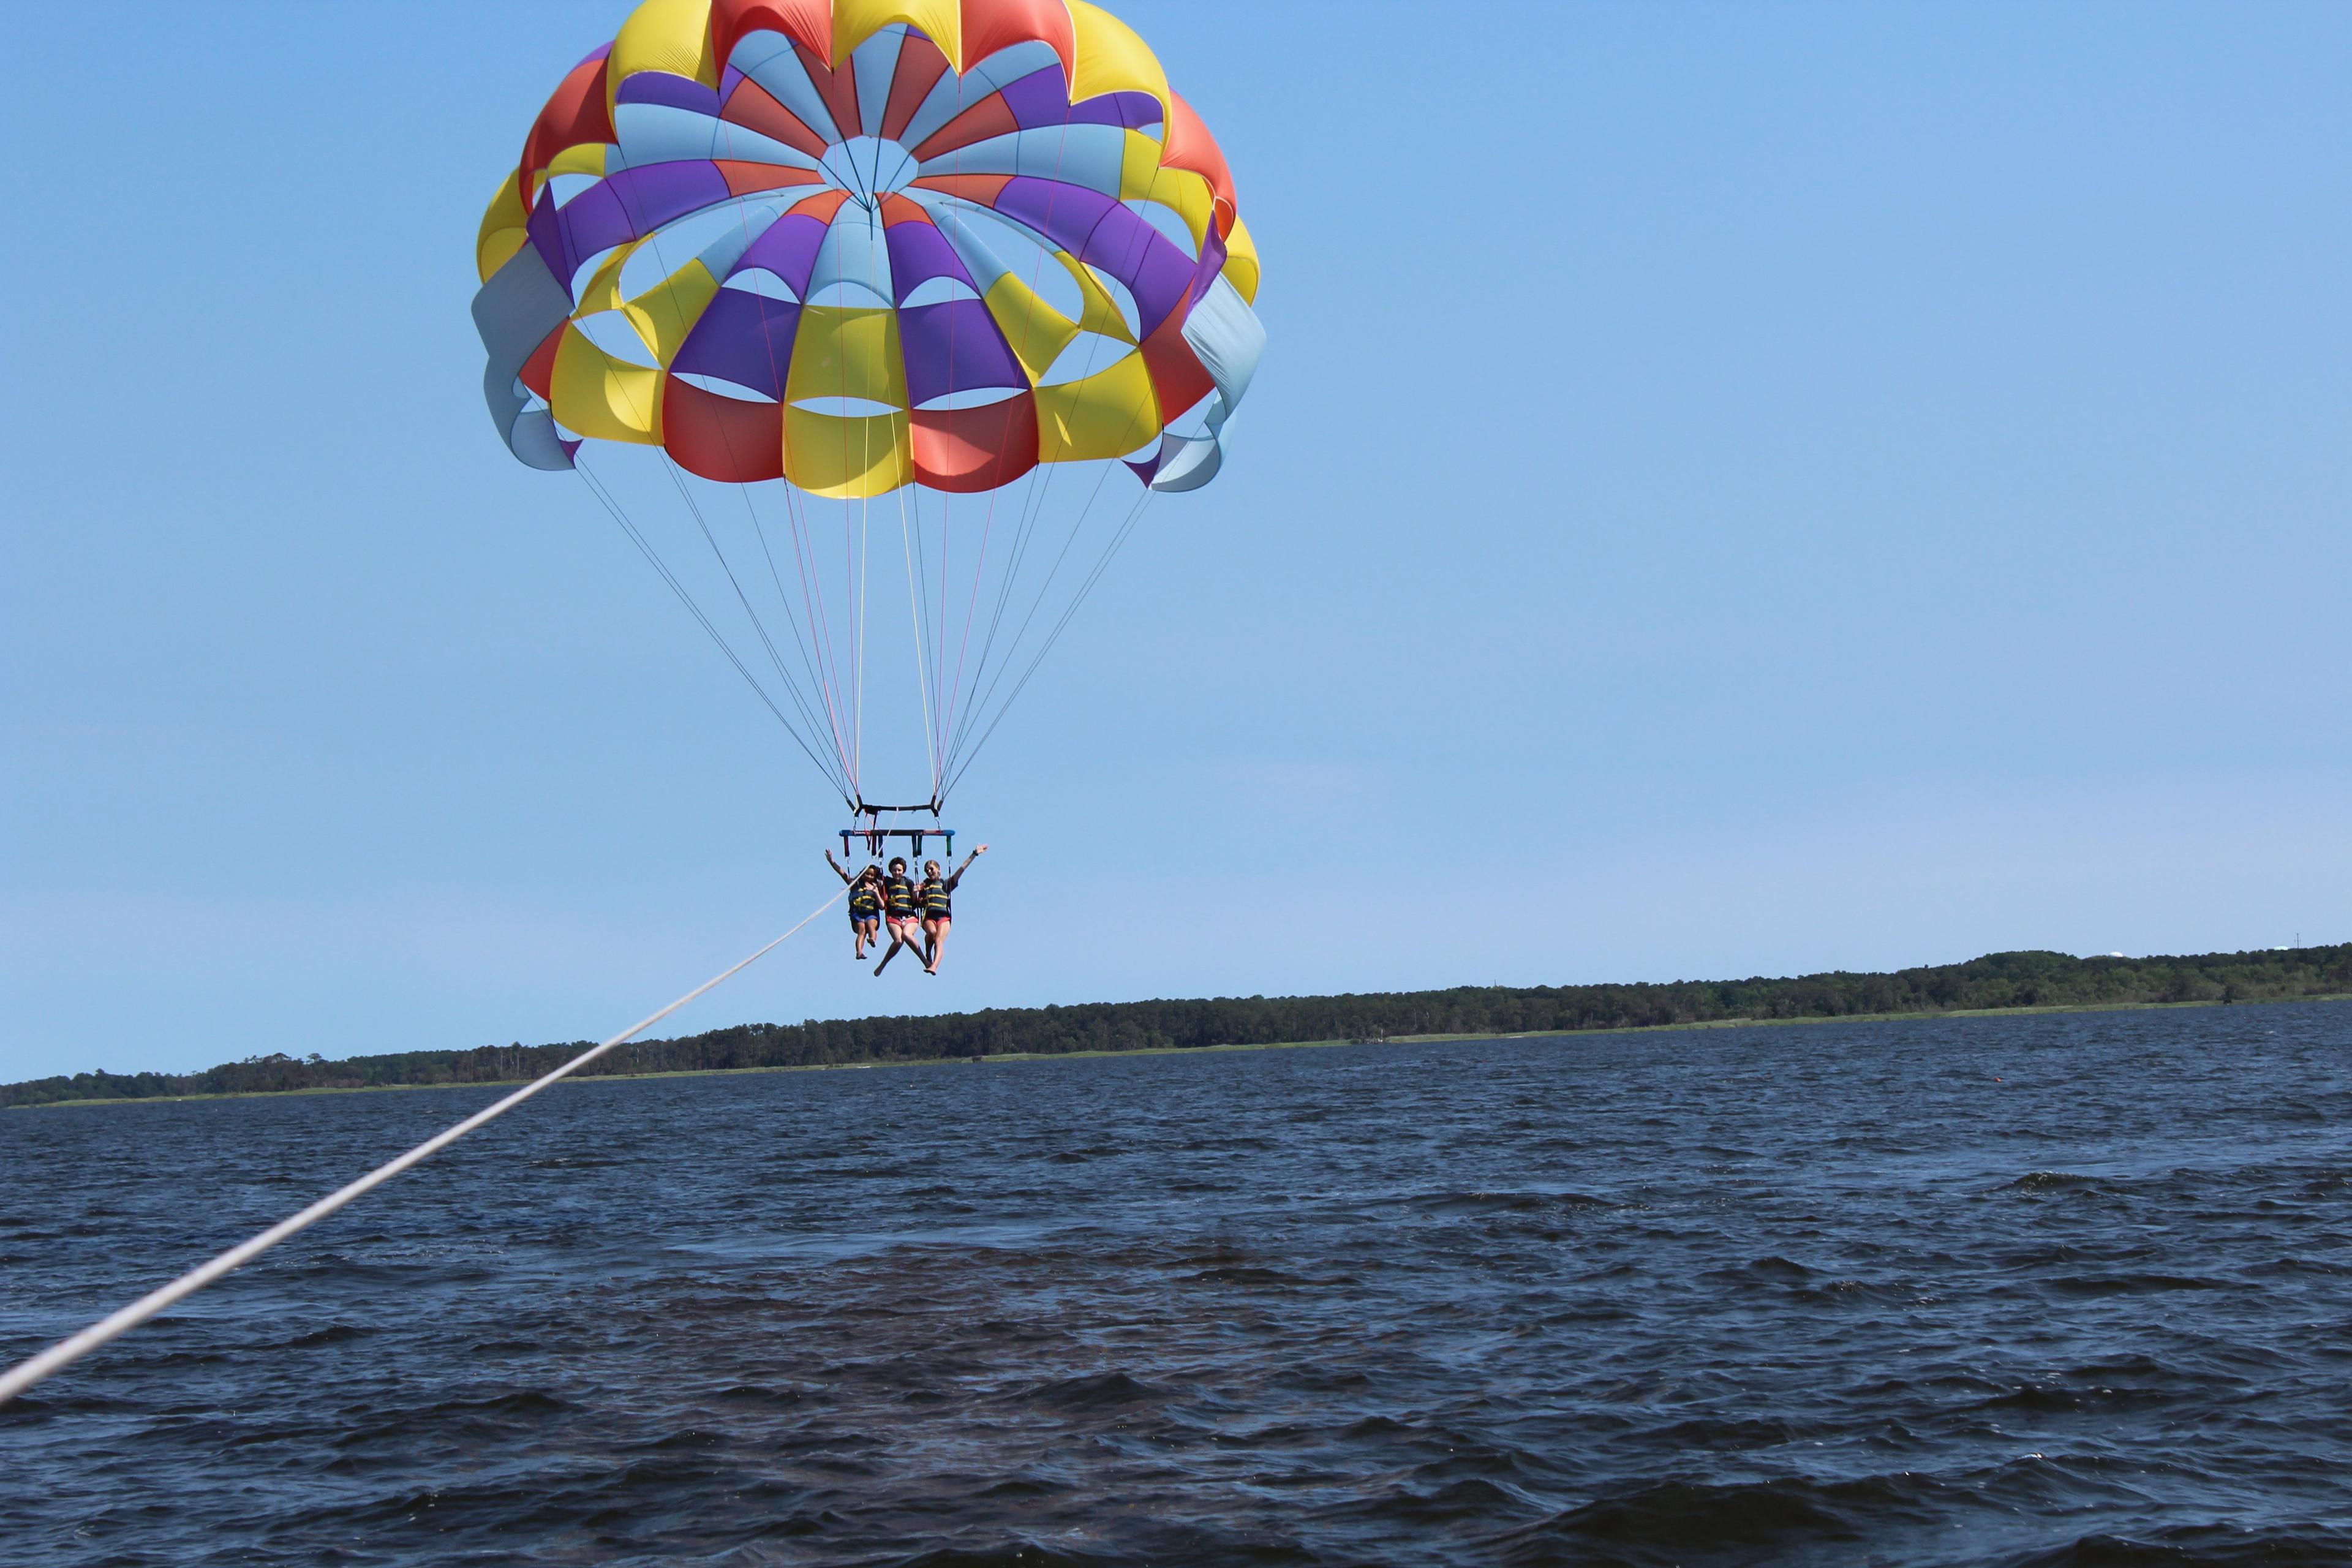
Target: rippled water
{"points": [[2058, 1289]]}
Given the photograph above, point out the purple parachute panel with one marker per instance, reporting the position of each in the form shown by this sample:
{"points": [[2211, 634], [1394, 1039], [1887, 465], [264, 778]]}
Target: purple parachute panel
{"points": [[744, 338], [954, 347]]}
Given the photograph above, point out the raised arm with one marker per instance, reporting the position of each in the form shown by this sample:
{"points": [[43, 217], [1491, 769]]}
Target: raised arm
{"points": [[957, 875], [838, 870]]}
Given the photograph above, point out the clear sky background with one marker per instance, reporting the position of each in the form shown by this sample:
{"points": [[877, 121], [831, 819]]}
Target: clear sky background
{"points": [[1732, 489]]}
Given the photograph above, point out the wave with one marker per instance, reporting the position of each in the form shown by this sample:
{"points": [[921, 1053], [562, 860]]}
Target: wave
{"points": [[1683, 1522], [2197, 1546]]}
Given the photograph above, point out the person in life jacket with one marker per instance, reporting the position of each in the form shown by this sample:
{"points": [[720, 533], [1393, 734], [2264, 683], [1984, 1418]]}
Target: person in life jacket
{"points": [[865, 905], [938, 894], [902, 911]]}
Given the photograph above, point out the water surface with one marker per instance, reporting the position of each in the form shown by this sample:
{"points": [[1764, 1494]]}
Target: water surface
{"points": [[2036, 1291]]}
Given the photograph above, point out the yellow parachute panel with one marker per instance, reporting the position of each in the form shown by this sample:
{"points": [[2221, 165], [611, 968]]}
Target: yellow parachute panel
{"points": [[1187, 194], [666, 313], [672, 35], [1111, 58], [848, 459], [855, 21], [847, 351], [1034, 330], [503, 230], [1241, 262], [592, 393], [1108, 415]]}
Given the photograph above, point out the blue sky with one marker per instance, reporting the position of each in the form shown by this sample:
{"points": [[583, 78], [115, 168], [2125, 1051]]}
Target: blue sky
{"points": [[1732, 489]]}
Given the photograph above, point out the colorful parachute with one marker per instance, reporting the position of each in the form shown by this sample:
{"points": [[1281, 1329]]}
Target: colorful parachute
{"points": [[802, 243], [841, 249]]}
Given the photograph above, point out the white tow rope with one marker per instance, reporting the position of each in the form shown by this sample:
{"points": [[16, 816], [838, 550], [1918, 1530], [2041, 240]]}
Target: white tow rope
{"points": [[66, 1352]]}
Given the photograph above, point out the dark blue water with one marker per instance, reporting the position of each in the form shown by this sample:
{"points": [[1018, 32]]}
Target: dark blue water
{"points": [[2048, 1290]]}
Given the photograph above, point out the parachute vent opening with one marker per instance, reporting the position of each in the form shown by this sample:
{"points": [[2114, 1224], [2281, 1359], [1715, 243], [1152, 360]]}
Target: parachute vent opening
{"points": [[616, 334], [845, 407], [759, 280], [1121, 297], [585, 273], [733, 390], [852, 294], [1003, 248], [939, 291], [1193, 423], [566, 186], [1088, 355], [1049, 277], [869, 168], [970, 397]]}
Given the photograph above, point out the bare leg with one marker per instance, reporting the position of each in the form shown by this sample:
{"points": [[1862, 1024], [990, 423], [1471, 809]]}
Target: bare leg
{"points": [[897, 940], [938, 932]]}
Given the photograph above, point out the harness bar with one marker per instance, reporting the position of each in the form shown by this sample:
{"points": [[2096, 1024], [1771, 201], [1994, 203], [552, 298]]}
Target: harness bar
{"points": [[875, 837]]}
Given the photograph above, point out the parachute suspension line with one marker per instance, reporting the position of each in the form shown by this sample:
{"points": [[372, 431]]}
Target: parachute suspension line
{"points": [[1035, 495], [942, 700], [825, 674], [758, 627], [922, 648], [980, 700], [800, 643], [1024, 539], [816, 679], [968, 747], [1119, 542], [23, 1375], [928, 658], [865, 502], [919, 610], [1013, 649], [1026, 514], [972, 609], [938, 738], [791, 687], [804, 549], [1032, 505], [652, 558], [994, 678], [857, 695]]}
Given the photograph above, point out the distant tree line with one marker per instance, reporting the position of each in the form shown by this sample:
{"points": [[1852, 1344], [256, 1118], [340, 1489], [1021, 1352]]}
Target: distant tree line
{"points": [[1998, 980]]}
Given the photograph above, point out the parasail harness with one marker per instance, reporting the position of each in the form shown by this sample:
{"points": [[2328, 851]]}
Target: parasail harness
{"points": [[877, 837]]}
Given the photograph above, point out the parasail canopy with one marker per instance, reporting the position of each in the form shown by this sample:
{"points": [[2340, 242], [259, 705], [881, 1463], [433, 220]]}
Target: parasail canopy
{"points": [[787, 240], [860, 247]]}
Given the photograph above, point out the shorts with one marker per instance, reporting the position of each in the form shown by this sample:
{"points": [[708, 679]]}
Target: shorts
{"points": [[863, 918], [937, 920]]}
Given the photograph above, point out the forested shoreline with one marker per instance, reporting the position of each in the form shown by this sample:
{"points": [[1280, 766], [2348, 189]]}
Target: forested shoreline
{"points": [[1997, 980]]}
